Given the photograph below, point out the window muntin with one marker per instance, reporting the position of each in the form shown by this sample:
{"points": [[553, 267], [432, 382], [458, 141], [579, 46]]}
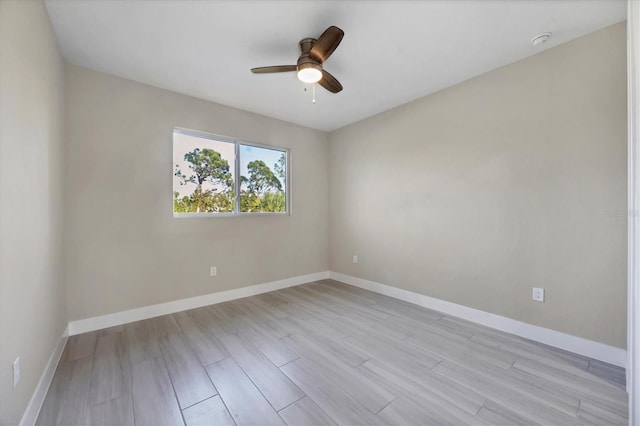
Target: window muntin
{"points": [[205, 182]]}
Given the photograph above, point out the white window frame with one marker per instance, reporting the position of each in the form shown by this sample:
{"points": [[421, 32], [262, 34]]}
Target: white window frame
{"points": [[236, 182]]}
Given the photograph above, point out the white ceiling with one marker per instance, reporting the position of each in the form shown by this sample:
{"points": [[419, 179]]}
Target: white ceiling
{"points": [[392, 52]]}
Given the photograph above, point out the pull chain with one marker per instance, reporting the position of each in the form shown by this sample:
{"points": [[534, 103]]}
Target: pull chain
{"points": [[313, 91]]}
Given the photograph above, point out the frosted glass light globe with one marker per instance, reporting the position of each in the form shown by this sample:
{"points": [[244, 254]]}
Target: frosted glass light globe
{"points": [[309, 75]]}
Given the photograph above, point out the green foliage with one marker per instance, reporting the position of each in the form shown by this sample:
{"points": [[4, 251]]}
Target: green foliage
{"points": [[269, 202], [274, 202], [204, 202], [249, 202]]}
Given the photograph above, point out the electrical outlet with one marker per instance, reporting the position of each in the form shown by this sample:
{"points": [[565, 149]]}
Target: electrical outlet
{"points": [[355, 259], [213, 271], [16, 372], [538, 294]]}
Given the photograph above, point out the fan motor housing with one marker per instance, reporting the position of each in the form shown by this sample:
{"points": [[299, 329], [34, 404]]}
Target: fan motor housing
{"points": [[304, 61], [306, 44]]}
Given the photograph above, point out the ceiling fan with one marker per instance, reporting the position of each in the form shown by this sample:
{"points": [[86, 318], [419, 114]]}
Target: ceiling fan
{"points": [[309, 66]]}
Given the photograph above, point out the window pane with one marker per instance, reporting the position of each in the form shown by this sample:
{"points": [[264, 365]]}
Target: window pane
{"points": [[203, 175], [263, 178]]}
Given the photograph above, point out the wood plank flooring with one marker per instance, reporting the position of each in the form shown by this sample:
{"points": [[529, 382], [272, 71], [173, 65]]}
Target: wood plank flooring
{"points": [[324, 353]]}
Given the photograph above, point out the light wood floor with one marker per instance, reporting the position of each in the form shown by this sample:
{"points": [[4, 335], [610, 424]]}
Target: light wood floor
{"points": [[324, 353]]}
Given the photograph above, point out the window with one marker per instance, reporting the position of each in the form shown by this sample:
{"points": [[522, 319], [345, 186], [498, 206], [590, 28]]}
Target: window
{"points": [[206, 181]]}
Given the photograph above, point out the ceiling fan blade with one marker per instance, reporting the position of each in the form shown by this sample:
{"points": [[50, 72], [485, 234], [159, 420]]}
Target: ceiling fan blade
{"points": [[326, 44], [329, 82], [275, 68]]}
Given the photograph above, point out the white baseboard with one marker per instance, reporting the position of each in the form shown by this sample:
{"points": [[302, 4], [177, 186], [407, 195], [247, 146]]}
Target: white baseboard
{"points": [[146, 312], [37, 399], [579, 345]]}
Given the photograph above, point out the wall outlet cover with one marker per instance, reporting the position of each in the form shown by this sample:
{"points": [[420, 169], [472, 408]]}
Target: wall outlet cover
{"points": [[538, 294]]}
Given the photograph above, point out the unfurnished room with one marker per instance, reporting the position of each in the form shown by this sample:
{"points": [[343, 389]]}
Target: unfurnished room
{"points": [[319, 212]]}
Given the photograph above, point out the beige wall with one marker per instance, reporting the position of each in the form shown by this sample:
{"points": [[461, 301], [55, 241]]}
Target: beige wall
{"points": [[32, 298], [123, 247], [484, 190]]}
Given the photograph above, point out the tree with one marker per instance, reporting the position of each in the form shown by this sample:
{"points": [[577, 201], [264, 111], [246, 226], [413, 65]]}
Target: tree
{"points": [[280, 168], [261, 178], [273, 202], [257, 187], [249, 202], [207, 166]]}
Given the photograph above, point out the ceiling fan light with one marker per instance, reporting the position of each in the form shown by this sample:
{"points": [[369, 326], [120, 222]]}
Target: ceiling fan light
{"points": [[309, 74]]}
